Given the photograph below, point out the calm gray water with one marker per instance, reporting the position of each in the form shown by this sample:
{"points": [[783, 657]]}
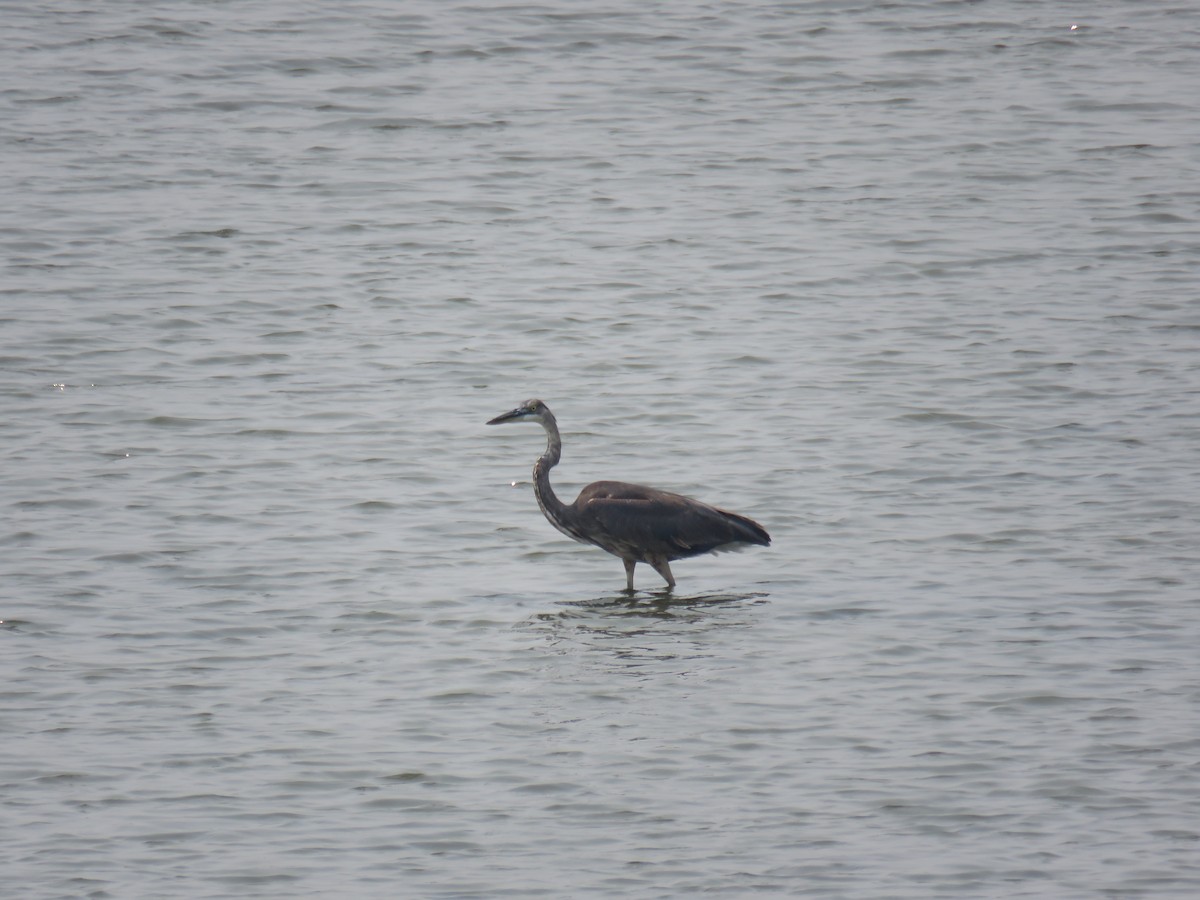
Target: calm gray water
{"points": [[914, 285]]}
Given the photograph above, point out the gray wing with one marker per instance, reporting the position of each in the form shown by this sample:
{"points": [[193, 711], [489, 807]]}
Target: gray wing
{"points": [[638, 522]]}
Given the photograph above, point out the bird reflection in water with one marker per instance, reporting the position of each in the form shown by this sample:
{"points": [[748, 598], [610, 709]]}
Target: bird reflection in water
{"points": [[633, 634]]}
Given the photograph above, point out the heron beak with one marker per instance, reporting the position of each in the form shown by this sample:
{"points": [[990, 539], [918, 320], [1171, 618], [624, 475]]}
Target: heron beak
{"points": [[517, 413]]}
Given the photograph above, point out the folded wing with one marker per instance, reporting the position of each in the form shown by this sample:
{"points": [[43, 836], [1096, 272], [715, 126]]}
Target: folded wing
{"points": [[637, 522]]}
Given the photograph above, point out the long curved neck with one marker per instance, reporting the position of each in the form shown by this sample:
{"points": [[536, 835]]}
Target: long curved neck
{"points": [[552, 508]]}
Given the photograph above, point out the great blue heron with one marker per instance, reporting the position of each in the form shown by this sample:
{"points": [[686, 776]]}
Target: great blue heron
{"points": [[638, 524]]}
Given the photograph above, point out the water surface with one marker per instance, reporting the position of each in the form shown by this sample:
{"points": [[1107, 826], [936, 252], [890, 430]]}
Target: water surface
{"points": [[914, 286]]}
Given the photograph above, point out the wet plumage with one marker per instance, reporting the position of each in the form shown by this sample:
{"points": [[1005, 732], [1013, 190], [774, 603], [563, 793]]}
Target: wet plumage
{"points": [[630, 521]]}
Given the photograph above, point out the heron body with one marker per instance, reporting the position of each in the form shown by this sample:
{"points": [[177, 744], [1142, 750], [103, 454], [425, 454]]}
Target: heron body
{"points": [[638, 524]]}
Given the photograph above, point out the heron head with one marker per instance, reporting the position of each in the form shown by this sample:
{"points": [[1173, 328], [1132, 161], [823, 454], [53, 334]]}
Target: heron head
{"points": [[529, 411]]}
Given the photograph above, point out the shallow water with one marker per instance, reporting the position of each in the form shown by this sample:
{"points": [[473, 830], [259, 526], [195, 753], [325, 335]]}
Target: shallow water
{"points": [[913, 286]]}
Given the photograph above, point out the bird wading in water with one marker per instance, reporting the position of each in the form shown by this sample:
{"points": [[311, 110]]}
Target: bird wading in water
{"points": [[636, 523]]}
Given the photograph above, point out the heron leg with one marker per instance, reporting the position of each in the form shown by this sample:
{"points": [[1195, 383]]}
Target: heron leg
{"points": [[663, 568], [629, 564]]}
